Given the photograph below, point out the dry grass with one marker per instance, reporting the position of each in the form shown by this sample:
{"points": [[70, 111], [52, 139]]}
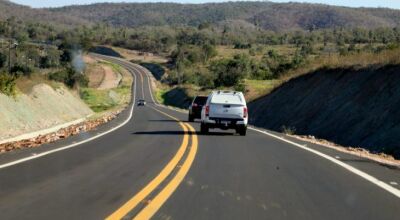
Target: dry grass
{"points": [[357, 60], [260, 51], [26, 84], [258, 88], [140, 56], [95, 73]]}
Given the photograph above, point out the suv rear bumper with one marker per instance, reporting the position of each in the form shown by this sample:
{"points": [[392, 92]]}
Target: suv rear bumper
{"points": [[225, 123]]}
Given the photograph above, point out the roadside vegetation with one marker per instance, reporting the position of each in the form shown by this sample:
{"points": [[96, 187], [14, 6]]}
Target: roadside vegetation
{"points": [[260, 69], [108, 99]]}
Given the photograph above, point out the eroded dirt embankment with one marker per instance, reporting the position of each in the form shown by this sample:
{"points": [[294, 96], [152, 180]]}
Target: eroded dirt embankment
{"points": [[351, 107]]}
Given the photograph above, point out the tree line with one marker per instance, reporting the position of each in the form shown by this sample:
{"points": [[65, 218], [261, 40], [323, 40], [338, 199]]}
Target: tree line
{"points": [[191, 49]]}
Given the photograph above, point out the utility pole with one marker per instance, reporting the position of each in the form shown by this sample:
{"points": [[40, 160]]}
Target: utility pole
{"points": [[9, 56], [9, 46]]}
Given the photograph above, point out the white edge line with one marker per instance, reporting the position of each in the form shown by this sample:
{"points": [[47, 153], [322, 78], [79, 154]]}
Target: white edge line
{"points": [[81, 142], [352, 169], [356, 171]]}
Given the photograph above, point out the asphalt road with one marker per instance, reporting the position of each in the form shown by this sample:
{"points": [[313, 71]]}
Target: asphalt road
{"points": [[156, 165]]}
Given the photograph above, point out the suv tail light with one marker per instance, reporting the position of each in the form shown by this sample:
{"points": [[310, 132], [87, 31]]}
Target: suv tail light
{"points": [[245, 113], [194, 105], [207, 110]]}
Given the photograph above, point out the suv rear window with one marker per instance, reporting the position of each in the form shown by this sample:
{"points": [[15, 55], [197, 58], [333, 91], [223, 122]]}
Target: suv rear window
{"points": [[227, 99], [200, 100]]}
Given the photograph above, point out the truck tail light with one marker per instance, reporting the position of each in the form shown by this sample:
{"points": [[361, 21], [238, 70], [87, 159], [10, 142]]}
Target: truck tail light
{"points": [[207, 110], [245, 113]]}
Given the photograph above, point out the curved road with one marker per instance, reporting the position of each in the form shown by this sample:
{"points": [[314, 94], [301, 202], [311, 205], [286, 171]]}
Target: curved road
{"points": [[155, 164]]}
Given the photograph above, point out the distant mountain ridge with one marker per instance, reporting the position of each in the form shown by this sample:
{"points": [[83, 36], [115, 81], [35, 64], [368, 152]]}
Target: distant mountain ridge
{"points": [[263, 15], [9, 9]]}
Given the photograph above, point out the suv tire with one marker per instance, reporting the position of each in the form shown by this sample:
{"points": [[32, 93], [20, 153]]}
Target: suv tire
{"points": [[242, 130], [203, 128]]}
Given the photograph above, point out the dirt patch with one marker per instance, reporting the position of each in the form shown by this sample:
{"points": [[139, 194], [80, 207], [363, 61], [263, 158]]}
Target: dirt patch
{"points": [[89, 59], [101, 75], [111, 78], [95, 74]]}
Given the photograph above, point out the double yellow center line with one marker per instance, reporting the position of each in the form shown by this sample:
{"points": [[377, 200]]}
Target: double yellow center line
{"points": [[155, 203]]}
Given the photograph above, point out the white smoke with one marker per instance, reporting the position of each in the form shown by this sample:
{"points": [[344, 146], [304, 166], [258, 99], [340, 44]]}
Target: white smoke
{"points": [[77, 61]]}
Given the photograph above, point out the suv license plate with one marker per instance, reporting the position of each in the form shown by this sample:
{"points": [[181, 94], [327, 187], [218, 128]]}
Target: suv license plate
{"points": [[225, 122]]}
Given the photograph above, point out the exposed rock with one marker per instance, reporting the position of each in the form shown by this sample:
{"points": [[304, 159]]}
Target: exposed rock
{"points": [[60, 134]]}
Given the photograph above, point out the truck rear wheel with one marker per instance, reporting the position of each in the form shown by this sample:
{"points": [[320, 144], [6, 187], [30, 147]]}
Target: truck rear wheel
{"points": [[242, 130], [203, 128]]}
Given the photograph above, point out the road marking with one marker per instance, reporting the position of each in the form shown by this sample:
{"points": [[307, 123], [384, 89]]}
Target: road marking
{"points": [[174, 183], [162, 197], [134, 201], [393, 183], [360, 173], [2, 166]]}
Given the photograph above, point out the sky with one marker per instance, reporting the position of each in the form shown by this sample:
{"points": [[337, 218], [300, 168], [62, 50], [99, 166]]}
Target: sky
{"points": [[350, 3]]}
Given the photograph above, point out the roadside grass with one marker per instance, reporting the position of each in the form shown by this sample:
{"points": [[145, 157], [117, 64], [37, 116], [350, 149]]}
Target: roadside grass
{"points": [[97, 100], [355, 60], [257, 88], [160, 94]]}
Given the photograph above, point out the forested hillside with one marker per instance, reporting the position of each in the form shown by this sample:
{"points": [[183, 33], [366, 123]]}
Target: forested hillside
{"points": [[228, 15], [9, 9], [266, 15]]}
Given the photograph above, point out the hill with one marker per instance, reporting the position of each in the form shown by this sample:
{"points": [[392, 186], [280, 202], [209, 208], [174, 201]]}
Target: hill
{"points": [[318, 16], [265, 15], [232, 15], [24, 13]]}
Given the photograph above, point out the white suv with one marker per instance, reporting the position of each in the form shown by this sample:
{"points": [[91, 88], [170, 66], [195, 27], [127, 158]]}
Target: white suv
{"points": [[225, 110]]}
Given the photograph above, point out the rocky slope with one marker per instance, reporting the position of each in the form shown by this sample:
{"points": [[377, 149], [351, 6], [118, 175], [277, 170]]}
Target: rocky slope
{"points": [[351, 107], [42, 108]]}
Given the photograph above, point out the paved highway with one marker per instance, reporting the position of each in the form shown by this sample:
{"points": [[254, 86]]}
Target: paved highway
{"points": [[154, 164]]}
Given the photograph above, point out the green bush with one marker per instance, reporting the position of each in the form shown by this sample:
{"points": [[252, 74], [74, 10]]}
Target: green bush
{"points": [[69, 77], [206, 80], [239, 45], [20, 70], [241, 87], [230, 72], [7, 84]]}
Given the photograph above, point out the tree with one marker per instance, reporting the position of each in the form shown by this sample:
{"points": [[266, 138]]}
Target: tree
{"points": [[209, 52], [230, 72], [3, 60]]}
